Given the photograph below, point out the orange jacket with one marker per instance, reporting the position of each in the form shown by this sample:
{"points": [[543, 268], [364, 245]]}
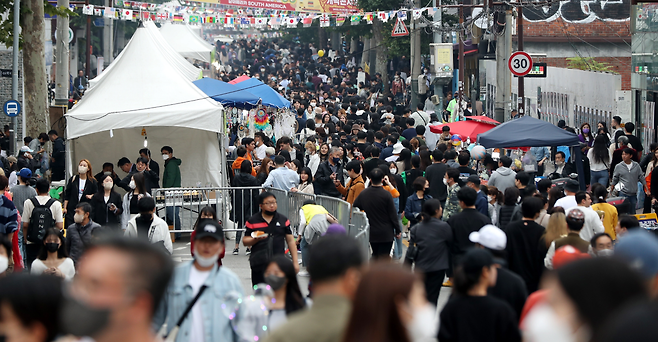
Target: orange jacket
{"points": [[238, 162], [352, 189]]}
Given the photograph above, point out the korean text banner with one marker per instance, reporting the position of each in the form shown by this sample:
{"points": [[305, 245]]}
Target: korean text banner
{"points": [[318, 6]]}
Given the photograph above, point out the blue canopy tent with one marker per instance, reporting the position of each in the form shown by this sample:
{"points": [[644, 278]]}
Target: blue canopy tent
{"points": [[269, 97], [528, 131], [227, 94]]}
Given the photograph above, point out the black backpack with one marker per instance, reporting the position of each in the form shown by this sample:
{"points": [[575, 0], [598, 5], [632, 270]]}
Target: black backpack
{"points": [[40, 220]]}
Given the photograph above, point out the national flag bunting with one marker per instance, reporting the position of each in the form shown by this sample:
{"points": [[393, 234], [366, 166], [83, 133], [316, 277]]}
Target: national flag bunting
{"points": [[340, 20], [178, 17], [308, 21], [194, 19], [325, 21], [355, 19], [127, 14], [88, 9]]}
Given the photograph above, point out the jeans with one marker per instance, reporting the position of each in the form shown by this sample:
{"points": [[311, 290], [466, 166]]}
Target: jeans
{"points": [[172, 216], [397, 251], [632, 201], [304, 247], [600, 177]]}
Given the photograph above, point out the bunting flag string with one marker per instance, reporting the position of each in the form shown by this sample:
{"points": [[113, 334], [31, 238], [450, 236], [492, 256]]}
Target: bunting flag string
{"points": [[242, 17]]}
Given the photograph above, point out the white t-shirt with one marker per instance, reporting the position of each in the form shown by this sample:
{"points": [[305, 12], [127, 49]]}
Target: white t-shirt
{"points": [[55, 209], [566, 202], [81, 187], [260, 151], [197, 278]]}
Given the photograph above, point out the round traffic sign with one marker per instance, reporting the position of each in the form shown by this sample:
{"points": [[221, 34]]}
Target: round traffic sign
{"points": [[520, 63], [12, 108]]}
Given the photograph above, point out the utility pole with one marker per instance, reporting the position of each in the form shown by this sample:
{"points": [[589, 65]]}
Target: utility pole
{"points": [[88, 46], [503, 75], [62, 76], [415, 59], [14, 73], [519, 34], [460, 85]]}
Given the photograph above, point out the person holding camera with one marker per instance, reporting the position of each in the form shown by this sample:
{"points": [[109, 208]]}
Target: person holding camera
{"points": [[107, 205]]}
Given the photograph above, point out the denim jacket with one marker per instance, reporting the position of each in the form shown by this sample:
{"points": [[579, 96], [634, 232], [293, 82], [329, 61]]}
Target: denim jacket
{"points": [[216, 324]]}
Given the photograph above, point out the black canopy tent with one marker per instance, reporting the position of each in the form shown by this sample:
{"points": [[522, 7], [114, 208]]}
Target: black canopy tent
{"points": [[528, 131]]}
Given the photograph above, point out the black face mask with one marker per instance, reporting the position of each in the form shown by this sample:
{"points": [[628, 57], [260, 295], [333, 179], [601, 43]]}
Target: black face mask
{"points": [[79, 319], [52, 247], [275, 282]]}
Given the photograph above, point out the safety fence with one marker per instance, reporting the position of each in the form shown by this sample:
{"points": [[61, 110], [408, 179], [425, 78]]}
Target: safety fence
{"points": [[234, 205]]}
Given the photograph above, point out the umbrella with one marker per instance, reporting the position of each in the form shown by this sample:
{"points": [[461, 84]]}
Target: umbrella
{"points": [[468, 128]]}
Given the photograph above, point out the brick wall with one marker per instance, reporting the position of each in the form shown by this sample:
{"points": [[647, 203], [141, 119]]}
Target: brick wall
{"points": [[621, 65], [560, 29], [6, 61]]}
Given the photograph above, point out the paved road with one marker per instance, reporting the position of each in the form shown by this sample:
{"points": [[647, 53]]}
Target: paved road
{"points": [[239, 264]]}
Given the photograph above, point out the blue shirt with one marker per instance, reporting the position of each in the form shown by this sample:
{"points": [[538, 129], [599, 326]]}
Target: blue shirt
{"points": [[282, 178], [540, 153]]}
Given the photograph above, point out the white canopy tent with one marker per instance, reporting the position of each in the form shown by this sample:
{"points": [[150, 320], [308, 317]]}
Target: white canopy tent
{"points": [[186, 42], [144, 90], [190, 72]]}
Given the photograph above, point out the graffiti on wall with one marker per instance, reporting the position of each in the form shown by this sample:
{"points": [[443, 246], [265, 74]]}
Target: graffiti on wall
{"points": [[575, 11]]}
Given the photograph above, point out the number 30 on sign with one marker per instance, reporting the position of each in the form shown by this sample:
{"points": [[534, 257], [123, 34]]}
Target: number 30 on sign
{"points": [[520, 63]]}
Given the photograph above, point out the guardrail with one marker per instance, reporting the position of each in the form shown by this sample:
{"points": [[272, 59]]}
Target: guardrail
{"points": [[234, 205]]}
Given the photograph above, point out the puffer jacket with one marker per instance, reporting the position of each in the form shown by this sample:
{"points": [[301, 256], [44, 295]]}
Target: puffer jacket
{"points": [[508, 213]]}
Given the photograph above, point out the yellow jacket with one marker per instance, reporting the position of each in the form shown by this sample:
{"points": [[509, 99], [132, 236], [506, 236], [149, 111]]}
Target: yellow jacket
{"points": [[609, 218]]}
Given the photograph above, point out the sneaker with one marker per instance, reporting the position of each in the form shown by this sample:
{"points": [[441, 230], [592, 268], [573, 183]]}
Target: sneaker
{"points": [[447, 283], [299, 261], [248, 251], [303, 273], [235, 251], [404, 235]]}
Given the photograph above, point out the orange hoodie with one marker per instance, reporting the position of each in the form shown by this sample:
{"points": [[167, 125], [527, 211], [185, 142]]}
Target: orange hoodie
{"points": [[238, 162]]}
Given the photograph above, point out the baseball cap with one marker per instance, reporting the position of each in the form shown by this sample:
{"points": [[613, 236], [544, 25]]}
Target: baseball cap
{"points": [[567, 254], [26, 149], [640, 249], [572, 186], [209, 227], [475, 259], [25, 173], [490, 236], [473, 179]]}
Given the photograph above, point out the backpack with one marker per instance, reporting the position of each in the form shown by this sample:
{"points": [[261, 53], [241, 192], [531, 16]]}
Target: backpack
{"points": [[40, 220]]}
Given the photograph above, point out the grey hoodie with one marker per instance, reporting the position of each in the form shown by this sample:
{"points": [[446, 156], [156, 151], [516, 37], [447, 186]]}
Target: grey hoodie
{"points": [[502, 178], [628, 178]]}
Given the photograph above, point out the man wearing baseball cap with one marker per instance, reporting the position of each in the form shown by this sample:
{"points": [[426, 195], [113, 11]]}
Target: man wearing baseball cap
{"points": [[206, 321], [509, 286], [640, 249]]}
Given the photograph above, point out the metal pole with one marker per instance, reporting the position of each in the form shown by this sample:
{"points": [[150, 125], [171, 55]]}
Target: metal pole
{"points": [[415, 60], [88, 46], [14, 72], [62, 77], [521, 86], [460, 86]]}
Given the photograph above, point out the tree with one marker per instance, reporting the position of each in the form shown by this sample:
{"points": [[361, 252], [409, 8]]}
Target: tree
{"points": [[589, 64]]}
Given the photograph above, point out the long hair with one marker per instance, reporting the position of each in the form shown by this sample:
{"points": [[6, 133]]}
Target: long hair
{"points": [[492, 190], [375, 316], [307, 171], [61, 251], [557, 227], [600, 149], [294, 298], [263, 166], [554, 194], [430, 207], [140, 182], [599, 193], [90, 174], [425, 160], [405, 157], [207, 210]]}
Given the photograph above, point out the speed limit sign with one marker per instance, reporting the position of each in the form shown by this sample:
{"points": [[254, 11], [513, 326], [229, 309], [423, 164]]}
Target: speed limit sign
{"points": [[520, 63]]}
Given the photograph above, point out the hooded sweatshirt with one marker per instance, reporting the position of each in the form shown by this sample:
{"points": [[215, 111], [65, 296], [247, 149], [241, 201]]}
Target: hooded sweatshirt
{"points": [[502, 178], [238, 163]]}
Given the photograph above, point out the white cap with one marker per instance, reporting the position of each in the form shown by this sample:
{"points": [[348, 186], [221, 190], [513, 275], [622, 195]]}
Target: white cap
{"points": [[490, 237]]}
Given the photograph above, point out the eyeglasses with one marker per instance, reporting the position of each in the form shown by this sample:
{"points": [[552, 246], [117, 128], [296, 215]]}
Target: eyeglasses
{"points": [[269, 203]]}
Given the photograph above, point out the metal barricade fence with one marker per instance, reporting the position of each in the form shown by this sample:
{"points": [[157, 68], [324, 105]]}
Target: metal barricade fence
{"points": [[281, 201], [337, 207], [359, 229], [295, 202]]}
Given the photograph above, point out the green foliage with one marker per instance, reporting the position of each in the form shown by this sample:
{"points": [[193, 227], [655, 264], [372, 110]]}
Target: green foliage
{"points": [[7, 25], [588, 63]]}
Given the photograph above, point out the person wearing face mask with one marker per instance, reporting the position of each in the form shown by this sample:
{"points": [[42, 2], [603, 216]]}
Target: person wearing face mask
{"points": [[141, 166], [414, 204], [148, 226], [601, 245], [206, 321], [107, 205], [280, 276], [132, 197], [25, 159], [79, 233], [330, 172], [171, 178], [30, 308], [80, 189], [108, 170], [53, 259], [390, 305], [473, 307]]}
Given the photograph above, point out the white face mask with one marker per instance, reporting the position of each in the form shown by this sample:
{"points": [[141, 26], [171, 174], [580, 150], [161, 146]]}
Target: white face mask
{"points": [[489, 198], [165, 156], [203, 261], [4, 263], [544, 325], [394, 171], [78, 218], [605, 253], [422, 326], [82, 169], [108, 185], [132, 184], [445, 181], [313, 104]]}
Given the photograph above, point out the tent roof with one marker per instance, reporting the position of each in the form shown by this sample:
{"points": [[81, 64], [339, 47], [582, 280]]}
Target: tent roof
{"points": [[240, 79], [527, 131], [268, 96], [190, 71], [186, 42], [143, 89], [225, 93]]}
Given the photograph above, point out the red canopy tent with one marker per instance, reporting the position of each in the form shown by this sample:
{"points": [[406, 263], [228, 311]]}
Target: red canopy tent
{"points": [[465, 129]]}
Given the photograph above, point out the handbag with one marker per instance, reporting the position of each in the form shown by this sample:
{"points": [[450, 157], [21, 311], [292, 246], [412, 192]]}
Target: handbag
{"points": [[412, 251]]}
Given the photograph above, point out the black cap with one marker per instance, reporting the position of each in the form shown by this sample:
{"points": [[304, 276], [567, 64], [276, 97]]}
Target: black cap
{"points": [[209, 227], [473, 179], [475, 259], [572, 186]]}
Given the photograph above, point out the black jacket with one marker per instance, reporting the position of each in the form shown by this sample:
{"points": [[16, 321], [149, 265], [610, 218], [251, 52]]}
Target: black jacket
{"points": [[71, 195], [101, 213], [462, 225], [22, 162], [326, 184], [507, 214], [151, 180], [59, 153], [433, 240], [245, 201], [101, 176], [380, 210], [434, 174], [370, 165], [526, 250]]}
